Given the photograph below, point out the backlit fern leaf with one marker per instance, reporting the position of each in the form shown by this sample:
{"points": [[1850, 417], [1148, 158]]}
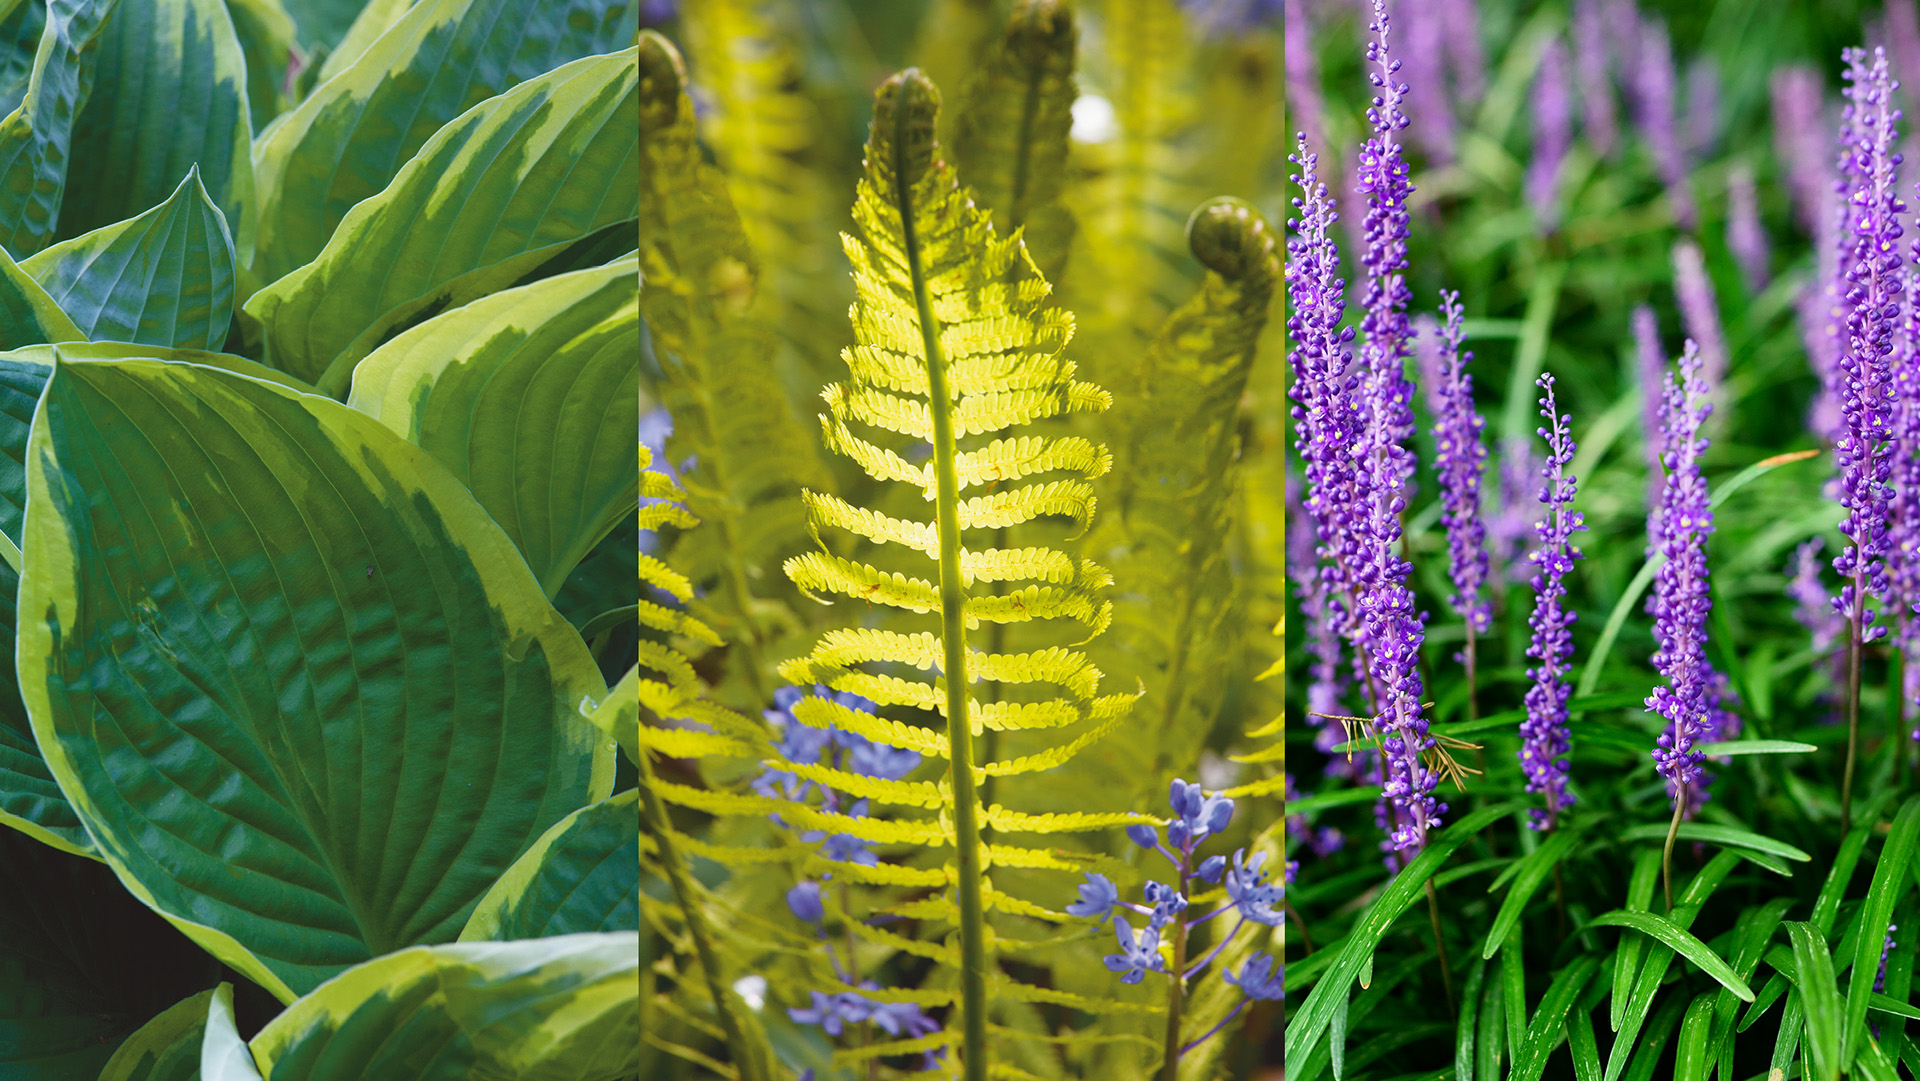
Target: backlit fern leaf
{"points": [[954, 341], [1010, 137], [1180, 614], [730, 415]]}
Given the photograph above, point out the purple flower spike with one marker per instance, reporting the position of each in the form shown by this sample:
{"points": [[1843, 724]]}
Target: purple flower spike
{"points": [[1325, 677], [1699, 312], [1703, 108], [1466, 60], [1545, 737], [1459, 459], [1800, 139], [1746, 239], [1509, 530], [1880, 976], [1654, 94], [1391, 630], [1596, 81], [1552, 135], [1903, 539], [1652, 365], [1681, 600], [1426, 74], [1873, 272]]}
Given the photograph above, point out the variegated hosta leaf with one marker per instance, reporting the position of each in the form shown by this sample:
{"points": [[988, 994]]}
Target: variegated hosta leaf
{"points": [[375, 19], [492, 195], [583, 874], [304, 694], [266, 33], [169, 96], [224, 1056], [166, 1048], [164, 278], [20, 31], [565, 1007], [36, 139], [28, 316], [367, 118], [531, 398], [322, 23], [82, 964]]}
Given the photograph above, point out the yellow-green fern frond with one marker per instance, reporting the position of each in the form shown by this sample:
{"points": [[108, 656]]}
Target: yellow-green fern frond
{"points": [[955, 348], [1010, 135], [721, 384], [1179, 616]]}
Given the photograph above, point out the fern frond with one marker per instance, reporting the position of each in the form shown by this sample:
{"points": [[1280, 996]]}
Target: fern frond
{"points": [[1179, 619], [954, 341], [1073, 822], [1010, 137], [721, 384]]}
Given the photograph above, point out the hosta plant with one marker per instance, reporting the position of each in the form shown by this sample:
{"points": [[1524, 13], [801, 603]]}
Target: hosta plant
{"points": [[320, 348]]}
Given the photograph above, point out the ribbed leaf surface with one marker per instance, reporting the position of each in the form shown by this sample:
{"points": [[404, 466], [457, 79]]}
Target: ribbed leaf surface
{"points": [[36, 138], [492, 195], [164, 278], [28, 316], [322, 22], [367, 118], [304, 694], [531, 398], [169, 94], [583, 875], [265, 32], [552, 1008]]}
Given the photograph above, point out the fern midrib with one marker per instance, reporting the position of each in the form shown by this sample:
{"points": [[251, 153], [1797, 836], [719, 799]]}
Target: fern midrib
{"points": [[953, 601]]}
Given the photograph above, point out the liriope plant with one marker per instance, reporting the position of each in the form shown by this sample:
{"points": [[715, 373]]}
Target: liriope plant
{"points": [[956, 348], [720, 380]]}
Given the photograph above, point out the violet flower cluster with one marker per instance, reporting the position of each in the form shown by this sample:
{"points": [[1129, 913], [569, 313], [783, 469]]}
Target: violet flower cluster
{"points": [[1746, 238], [1545, 736], [1681, 600], [1460, 459], [1250, 896], [1510, 527], [802, 744], [1595, 77], [1872, 266], [1552, 135], [1323, 841], [1654, 95], [1699, 311], [1651, 364], [1903, 508], [1392, 631]]}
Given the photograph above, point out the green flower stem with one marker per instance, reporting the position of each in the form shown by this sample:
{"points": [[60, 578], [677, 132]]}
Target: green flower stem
{"points": [[747, 1063], [1176, 993], [953, 617]]}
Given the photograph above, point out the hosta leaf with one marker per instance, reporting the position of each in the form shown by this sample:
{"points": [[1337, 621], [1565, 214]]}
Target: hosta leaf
{"points": [[565, 1007], [265, 32], [223, 1054], [163, 278], [375, 19], [20, 30], [492, 195], [28, 315], [362, 124], [166, 1048], [582, 875], [36, 138], [169, 95], [281, 663], [557, 361], [82, 964]]}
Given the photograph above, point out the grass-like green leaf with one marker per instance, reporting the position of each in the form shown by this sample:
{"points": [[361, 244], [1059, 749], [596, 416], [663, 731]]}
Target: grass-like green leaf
{"points": [[1640, 884], [1821, 998], [1754, 746], [1889, 883], [164, 278], [507, 185], [1533, 870], [1543, 1032], [1681, 942], [1693, 1055], [169, 96], [1725, 836], [174, 648]]}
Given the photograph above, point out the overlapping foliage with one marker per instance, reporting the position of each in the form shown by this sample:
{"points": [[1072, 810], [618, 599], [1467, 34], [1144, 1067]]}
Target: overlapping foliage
{"points": [[322, 346]]}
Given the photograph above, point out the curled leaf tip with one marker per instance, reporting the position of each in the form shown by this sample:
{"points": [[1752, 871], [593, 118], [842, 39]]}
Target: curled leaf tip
{"points": [[1039, 29], [1231, 239], [904, 110], [663, 76]]}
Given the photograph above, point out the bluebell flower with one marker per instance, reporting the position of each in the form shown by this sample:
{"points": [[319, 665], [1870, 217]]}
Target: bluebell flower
{"points": [[1200, 815], [804, 901], [1167, 902], [904, 1019], [833, 1012], [1260, 978], [870, 759], [1250, 892], [1098, 895], [845, 847], [1138, 955], [1143, 835], [1211, 869]]}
